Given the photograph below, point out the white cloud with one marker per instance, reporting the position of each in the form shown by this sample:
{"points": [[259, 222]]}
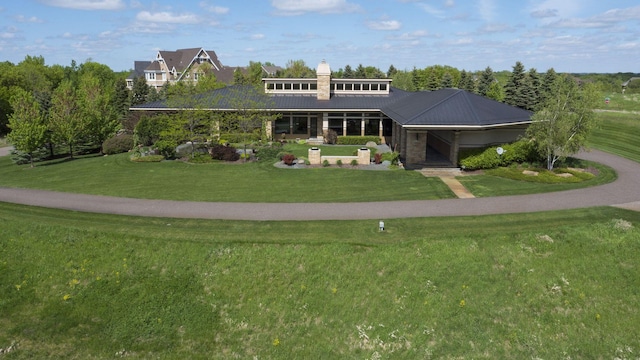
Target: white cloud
{"points": [[24, 19], [431, 10], [167, 17], [487, 9], [86, 4], [384, 25], [219, 10], [298, 7], [257, 36], [495, 28]]}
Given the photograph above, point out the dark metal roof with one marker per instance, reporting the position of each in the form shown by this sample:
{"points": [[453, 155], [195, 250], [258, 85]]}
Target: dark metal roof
{"points": [[453, 107], [444, 108]]}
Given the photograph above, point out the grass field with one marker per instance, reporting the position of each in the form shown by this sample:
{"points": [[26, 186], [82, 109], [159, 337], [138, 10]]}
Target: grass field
{"points": [[80, 285], [618, 133], [550, 285]]}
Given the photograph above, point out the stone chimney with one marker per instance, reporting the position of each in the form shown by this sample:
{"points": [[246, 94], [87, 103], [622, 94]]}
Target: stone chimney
{"points": [[324, 81]]}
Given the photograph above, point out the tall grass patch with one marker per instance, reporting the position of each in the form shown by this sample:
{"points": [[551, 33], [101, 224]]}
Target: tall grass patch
{"points": [[94, 286]]}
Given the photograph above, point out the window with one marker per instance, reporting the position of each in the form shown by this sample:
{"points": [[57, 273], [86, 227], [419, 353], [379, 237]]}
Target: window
{"points": [[278, 86], [305, 86], [383, 87], [348, 87], [372, 127], [374, 87], [356, 87], [282, 126], [336, 125], [365, 87], [313, 86], [270, 86], [353, 127], [300, 125], [296, 86], [151, 76], [339, 86]]}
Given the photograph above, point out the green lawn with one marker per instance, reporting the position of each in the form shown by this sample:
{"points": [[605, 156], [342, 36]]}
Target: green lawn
{"points": [[252, 182], [544, 285], [618, 133], [496, 183], [621, 102]]}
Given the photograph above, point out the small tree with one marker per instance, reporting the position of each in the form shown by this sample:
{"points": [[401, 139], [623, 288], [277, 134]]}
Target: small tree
{"points": [[28, 130], [565, 120], [65, 119], [252, 111]]}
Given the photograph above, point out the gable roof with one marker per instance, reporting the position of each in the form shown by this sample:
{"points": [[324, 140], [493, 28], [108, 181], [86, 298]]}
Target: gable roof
{"points": [[427, 109], [453, 107], [138, 69]]}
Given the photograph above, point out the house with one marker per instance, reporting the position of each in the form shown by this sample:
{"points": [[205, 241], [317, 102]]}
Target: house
{"points": [[180, 65], [423, 127]]}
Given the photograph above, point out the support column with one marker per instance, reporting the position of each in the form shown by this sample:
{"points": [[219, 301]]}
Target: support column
{"points": [[416, 147], [325, 124], [403, 143], [381, 132], [362, 126], [455, 148], [268, 130]]}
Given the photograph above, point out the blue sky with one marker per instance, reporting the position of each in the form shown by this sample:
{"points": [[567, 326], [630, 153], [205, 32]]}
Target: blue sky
{"points": [[568, 35]]}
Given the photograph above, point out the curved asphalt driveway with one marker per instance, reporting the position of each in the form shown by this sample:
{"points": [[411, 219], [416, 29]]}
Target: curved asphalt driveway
{"points": [[624, 192]]}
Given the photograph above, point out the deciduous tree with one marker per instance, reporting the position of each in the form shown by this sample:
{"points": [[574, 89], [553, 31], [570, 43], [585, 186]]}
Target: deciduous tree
{"points": [[65, 119], [565, 120], [28, 130]]}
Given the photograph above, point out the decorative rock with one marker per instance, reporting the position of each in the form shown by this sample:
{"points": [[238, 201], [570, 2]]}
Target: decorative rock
{"points": [[371, 144], [564, 175], [530, 173]]}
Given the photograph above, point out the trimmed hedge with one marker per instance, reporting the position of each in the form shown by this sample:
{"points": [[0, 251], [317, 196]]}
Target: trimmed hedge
{"points": [[117, 144], [357, 140], [224, 153]]}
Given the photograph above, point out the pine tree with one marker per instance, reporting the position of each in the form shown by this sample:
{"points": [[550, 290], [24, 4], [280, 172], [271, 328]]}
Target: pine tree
{"points": [[140, 91], [348, 72], [486, 79], [546, 87], [533, 92], [447, 81], [517, 88], [121, 98], [466, 81], [392, 71], [360, 73]]}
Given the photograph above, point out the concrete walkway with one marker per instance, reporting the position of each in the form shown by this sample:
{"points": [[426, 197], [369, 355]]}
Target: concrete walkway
{"points": [[624, 192]]}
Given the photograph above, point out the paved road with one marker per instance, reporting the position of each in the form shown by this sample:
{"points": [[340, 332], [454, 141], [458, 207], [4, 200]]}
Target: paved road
{"points": [[624, 192]]}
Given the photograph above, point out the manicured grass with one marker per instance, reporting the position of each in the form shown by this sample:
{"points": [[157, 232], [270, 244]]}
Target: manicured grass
{"points": [[502, 182], [251, 182], [618, 133], [543, 285]]}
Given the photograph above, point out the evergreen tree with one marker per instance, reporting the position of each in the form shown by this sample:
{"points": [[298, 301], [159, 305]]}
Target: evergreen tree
{"points": [[433, 81], [534, 89], [516, 89], [486, 79], [392, 71], [415, 79], [466, 82], [348, 72], [360, 73], [447, 81], [140, 91], [550, 77], [238, 77], [121, 98]]}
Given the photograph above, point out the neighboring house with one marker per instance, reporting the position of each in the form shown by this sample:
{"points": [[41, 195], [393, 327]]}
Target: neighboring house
{"points": [[425, 127], [180, 65]]}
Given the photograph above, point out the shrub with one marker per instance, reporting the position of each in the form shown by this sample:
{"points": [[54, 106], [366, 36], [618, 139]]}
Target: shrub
{"points": [[148, 129], [520, 151], [330, 136], [225, 153], [354, 162], [117, 144], [393, 157], [288, 159], [357, 140], [325, 163], [339, 162], [377, 158], [148, 158], [166, 148], [269, 153]]}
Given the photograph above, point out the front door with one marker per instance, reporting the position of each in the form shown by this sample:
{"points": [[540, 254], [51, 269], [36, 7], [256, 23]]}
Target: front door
{"points": [[313, 127]]}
